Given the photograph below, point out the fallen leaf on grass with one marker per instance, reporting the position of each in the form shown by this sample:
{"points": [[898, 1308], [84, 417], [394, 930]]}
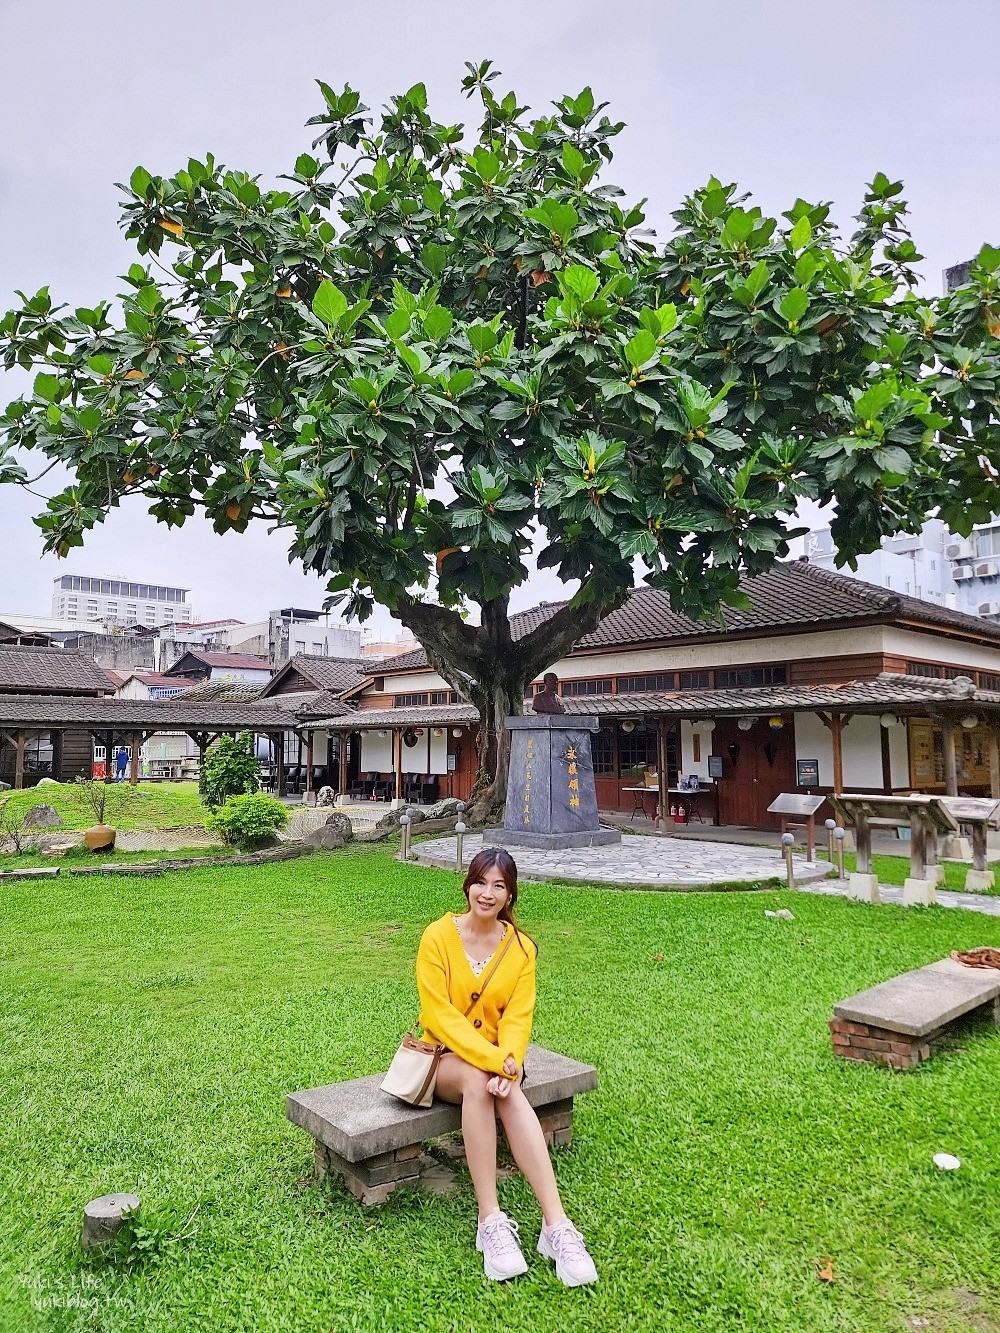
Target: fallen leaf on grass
{"points": [[825, 1271]]}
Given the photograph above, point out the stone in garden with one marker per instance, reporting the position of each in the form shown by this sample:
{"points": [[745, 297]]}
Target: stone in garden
{"points": [[342, 823], [416, 813], [42, 816], [47, 782], [442, 809], [326, 837], [58, 844], [4, 786], [326, 796], [103, 1218]]}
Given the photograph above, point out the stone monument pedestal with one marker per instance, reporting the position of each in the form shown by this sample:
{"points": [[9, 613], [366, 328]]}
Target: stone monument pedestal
{"points": [[551, 797]]}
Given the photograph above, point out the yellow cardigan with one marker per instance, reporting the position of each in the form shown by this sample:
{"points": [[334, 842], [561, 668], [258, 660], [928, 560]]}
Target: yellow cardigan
{"points": [[500, 1023]]}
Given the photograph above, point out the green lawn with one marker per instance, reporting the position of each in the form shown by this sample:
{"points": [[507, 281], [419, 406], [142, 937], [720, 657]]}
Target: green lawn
{"points": [[150, 1029], [158, 805]]}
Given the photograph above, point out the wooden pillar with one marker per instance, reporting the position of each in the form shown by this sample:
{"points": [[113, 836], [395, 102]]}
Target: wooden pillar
{"points": [[950, 765], [109, 756], [342, 781], [398, 759], [279, 789], [20, 740], [137, 742], [886, 760], [834, 723], [661, 769], [994, 754], [310, 738]]}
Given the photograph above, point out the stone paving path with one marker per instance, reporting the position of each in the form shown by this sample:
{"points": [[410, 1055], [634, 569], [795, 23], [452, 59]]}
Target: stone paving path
{"points": [[657, 862]]}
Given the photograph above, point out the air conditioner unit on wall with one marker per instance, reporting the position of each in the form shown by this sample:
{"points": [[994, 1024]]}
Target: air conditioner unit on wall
{"points": [[989, 608], [958, 550], [961, 573], [987, 570]]}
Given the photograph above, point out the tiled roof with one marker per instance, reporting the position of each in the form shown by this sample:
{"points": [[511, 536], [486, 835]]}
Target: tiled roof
{"points": [[227, 691], [312, 703], [159, 714], [368, 719], [884, 692], [154, 678], [335, 674], [57, 670], [115, 677], [793, 595], [238, 661]]}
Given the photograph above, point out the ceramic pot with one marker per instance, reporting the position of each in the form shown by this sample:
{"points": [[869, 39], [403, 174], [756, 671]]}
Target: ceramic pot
{"points": [[100, 838]]}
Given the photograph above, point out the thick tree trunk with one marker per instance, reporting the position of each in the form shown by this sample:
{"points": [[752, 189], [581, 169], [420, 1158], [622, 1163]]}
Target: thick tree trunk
{"points": [[492, 670]]}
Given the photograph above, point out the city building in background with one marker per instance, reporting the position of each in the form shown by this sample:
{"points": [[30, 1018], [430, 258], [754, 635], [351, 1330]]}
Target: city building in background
{"points": [[961, 573], [86, 600]]}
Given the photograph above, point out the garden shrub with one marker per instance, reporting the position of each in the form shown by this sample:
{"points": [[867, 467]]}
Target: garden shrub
{"points": [[229, 769], [249, 820]]}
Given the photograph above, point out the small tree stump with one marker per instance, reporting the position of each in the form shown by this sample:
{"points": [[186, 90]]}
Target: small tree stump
{"points": [[103, 1218]]}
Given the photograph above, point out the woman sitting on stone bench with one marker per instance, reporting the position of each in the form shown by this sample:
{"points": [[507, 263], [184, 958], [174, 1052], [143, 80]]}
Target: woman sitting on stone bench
{"points": [[483, 1065]]}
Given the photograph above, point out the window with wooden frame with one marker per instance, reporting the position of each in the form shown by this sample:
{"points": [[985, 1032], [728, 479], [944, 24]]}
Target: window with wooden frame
{"points": [[734, 678], [696, 680], [658, 680], [576, 687], [416, 700]]}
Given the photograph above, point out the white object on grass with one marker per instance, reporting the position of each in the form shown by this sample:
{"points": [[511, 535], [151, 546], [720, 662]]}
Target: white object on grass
{"points": [[946, 1162]]}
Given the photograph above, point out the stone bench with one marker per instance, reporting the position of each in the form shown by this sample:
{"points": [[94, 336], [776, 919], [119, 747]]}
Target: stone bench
{"points": [[374, 1143], [898, 1022]]}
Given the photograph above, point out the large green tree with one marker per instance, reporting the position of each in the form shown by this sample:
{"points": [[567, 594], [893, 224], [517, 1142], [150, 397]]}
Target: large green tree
{"points": [[430, 348]]}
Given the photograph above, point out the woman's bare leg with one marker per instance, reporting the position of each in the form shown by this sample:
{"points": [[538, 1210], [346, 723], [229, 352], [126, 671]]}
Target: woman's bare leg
{"points": [[463, 1084], [527, 1143]]}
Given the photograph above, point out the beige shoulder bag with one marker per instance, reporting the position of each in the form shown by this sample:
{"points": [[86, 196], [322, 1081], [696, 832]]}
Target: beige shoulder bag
{"points": [[413, 1072]]}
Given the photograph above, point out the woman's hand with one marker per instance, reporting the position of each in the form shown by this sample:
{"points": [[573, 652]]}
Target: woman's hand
{"points": [[497, 1086], [510, 1068]]}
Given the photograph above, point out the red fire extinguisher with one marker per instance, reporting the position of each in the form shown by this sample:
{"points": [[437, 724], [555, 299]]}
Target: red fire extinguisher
{"points": [[682, 815]]}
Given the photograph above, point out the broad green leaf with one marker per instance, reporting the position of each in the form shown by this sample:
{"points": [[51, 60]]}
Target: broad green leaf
{"points": [[801, 233], [989, 258], [738, 227], [573, 160], [140, 181], [482, 338], [396, 323], [805, 267], [581, 281], [757, 279], [437, 322], [641, 347], [329, 303], [306, 165], [47, 387], [434, 257], [875, 400], [794, 303]]}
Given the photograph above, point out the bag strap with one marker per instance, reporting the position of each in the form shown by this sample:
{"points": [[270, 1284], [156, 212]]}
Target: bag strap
{"points": [[478, 995]]}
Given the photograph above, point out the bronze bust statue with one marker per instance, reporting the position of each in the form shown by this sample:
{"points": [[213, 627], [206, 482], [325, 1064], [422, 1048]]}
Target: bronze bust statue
{"points": [[547, 699]]}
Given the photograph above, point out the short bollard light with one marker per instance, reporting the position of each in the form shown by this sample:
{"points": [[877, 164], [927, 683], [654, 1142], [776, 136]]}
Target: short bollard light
{"points": [[839, 834], [787, 842], [404, 831], [831, 824], [459, 838]]}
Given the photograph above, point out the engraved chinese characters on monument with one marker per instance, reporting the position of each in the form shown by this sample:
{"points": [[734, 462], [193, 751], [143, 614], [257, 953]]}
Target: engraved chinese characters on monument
{"points": [[551, 797]]}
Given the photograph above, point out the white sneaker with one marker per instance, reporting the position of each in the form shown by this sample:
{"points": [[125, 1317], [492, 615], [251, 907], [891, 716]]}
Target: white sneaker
{"points": [[497, 1238], [564, 1244]]}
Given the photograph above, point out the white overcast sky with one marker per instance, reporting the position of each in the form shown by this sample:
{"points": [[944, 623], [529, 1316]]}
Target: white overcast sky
{"points": [[788, 98]]}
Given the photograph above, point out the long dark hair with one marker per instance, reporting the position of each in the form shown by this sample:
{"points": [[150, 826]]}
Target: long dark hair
{"points": [[505, 863]]}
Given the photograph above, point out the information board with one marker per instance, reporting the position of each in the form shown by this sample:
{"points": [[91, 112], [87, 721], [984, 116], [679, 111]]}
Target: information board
{"points": [[807, 772], [715, 765]]}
